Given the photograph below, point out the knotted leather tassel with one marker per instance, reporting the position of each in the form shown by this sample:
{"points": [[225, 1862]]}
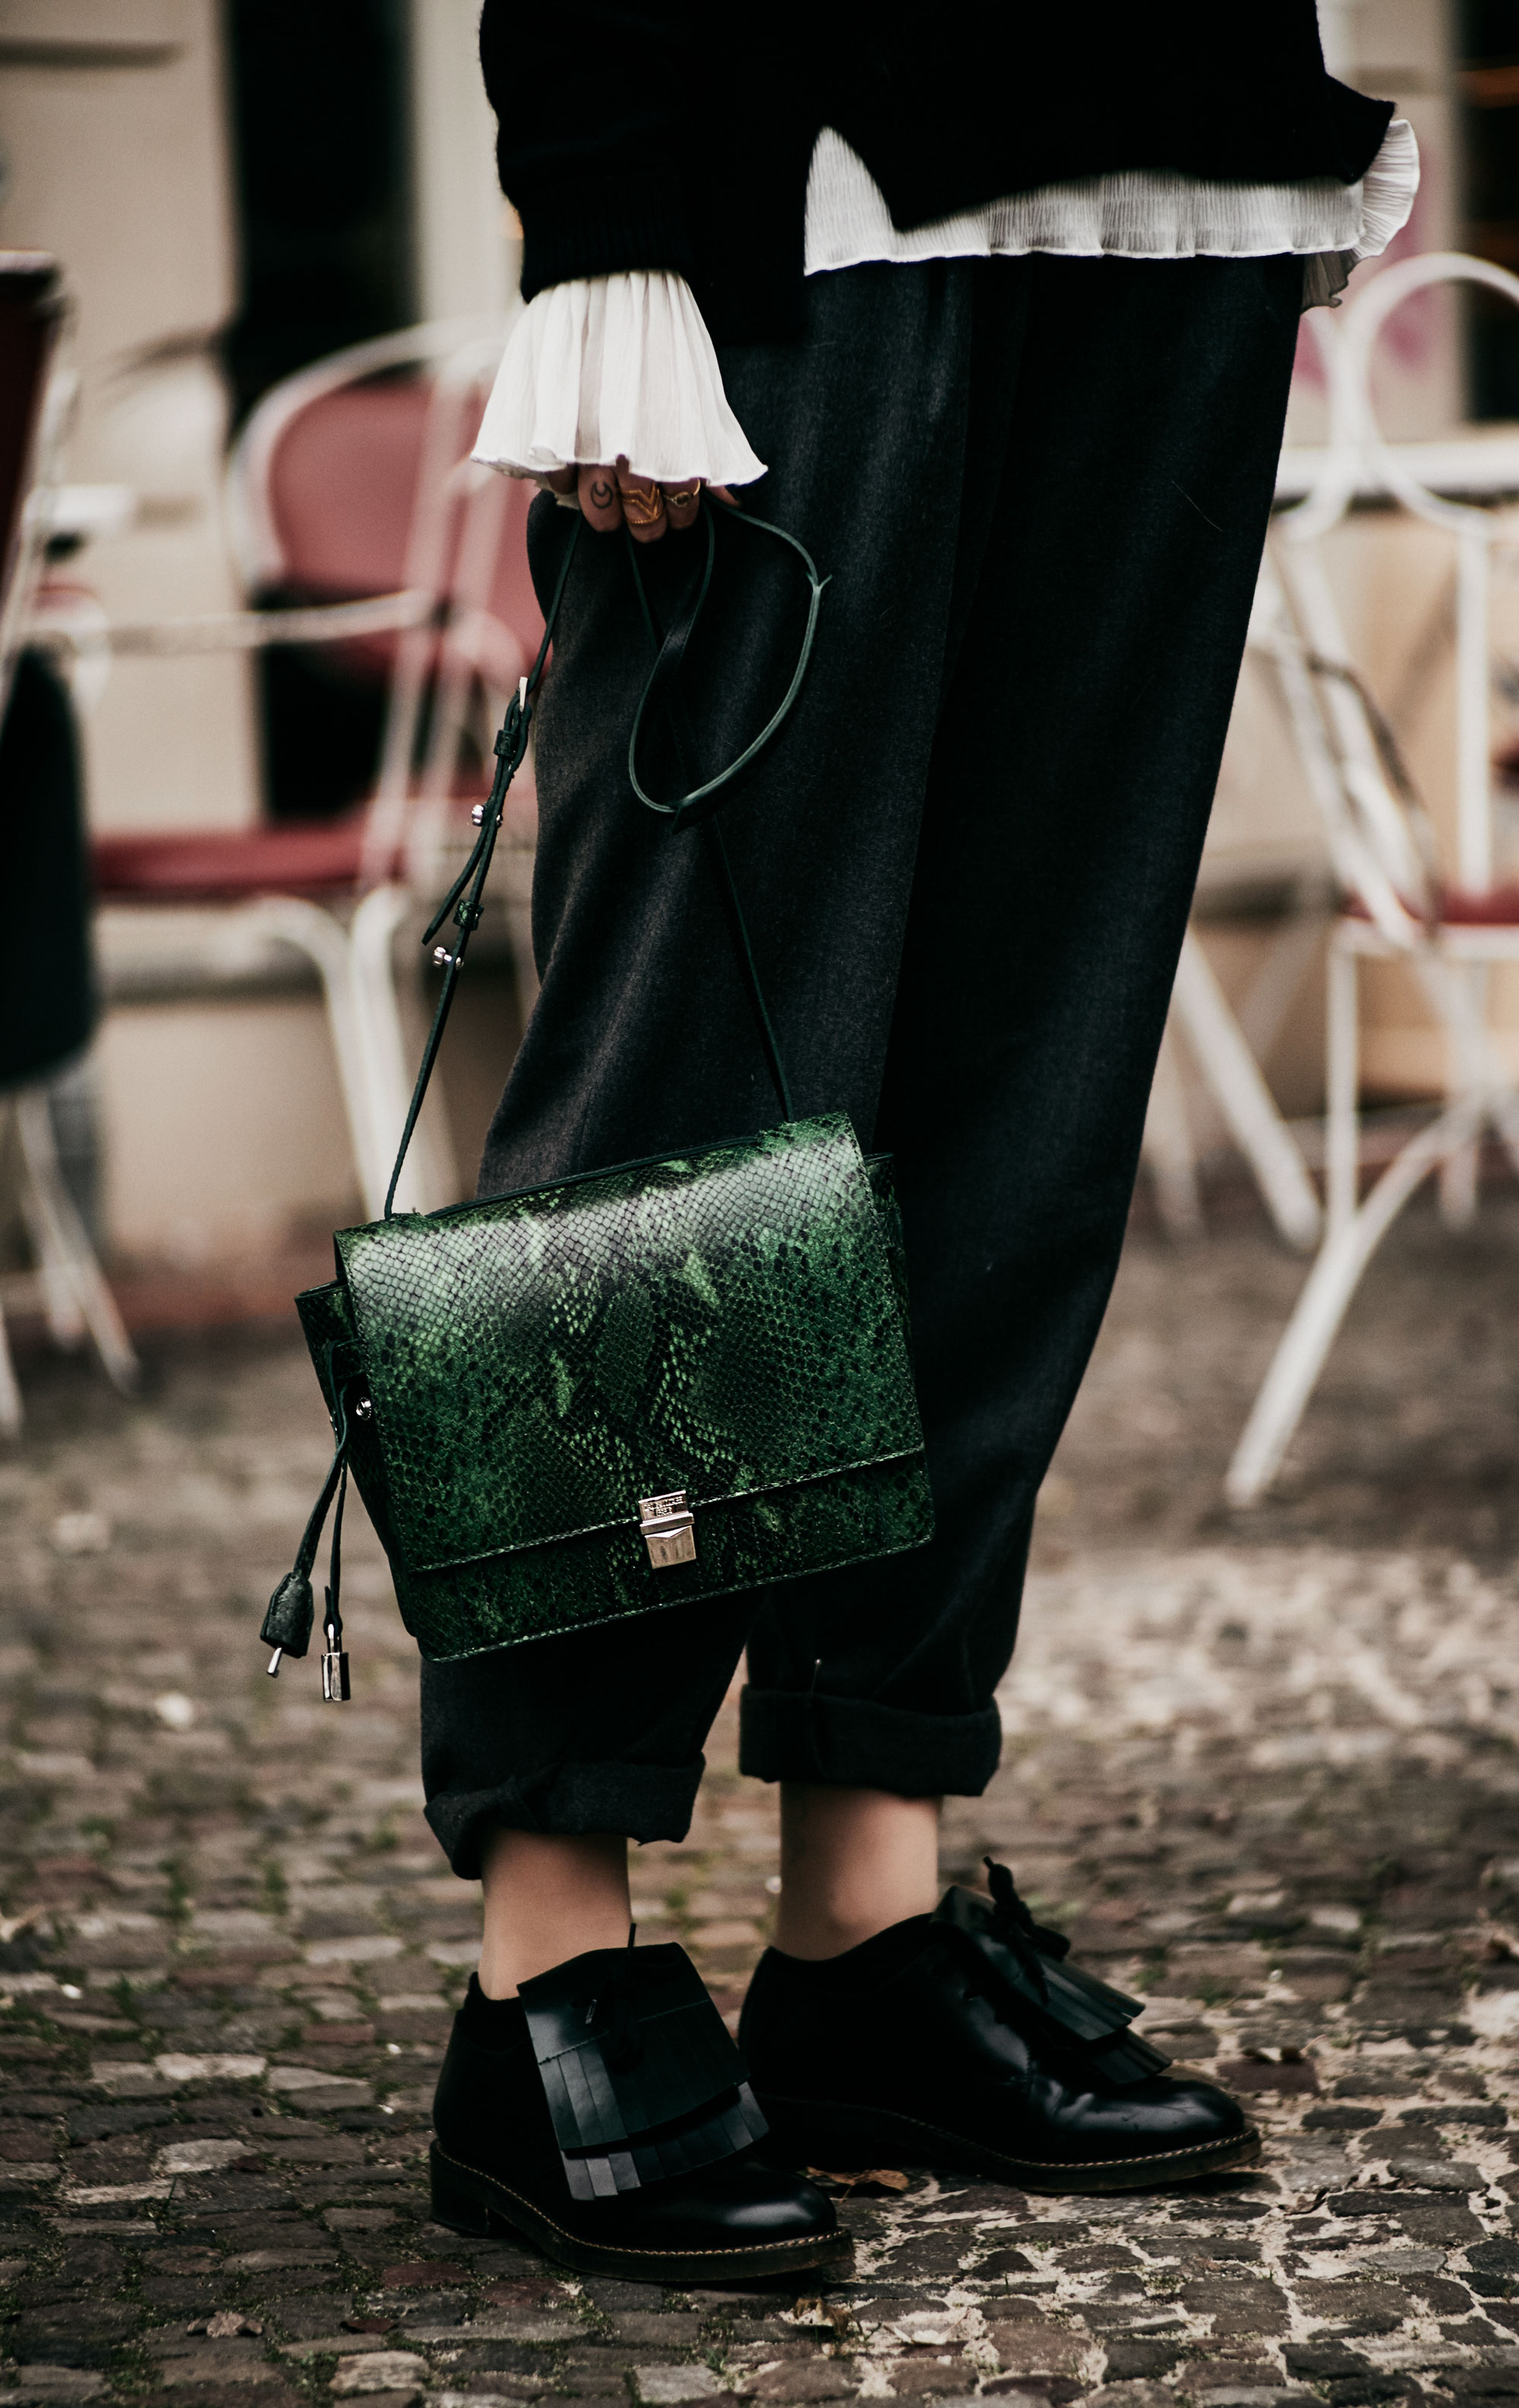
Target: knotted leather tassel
{"points": [[1068, 2008], [292, 1609], [287, 1622], [334, 1680]]}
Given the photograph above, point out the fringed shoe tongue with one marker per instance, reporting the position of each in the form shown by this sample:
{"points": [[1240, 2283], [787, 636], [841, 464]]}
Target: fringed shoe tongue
{"points": [[1059, 2005], [642, 2076]]}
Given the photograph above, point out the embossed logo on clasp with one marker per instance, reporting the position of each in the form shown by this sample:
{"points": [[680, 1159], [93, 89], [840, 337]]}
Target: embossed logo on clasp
{"points": [[669, 1530]]}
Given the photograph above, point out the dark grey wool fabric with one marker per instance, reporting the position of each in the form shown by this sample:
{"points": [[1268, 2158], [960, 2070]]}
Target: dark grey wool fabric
{"points": [[1040, 489]]}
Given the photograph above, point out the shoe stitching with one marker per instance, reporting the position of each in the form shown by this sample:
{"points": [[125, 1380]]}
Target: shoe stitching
{"points": [[749, 2249], [1036, 2164]]}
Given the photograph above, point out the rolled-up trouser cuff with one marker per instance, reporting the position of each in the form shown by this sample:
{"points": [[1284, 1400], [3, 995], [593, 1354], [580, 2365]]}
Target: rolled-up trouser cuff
{"points": [[644, 1801], [851, 1743]]}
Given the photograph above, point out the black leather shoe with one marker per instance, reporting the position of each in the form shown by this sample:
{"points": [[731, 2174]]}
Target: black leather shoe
{"points": [[605, 2117], [960, 2040]]}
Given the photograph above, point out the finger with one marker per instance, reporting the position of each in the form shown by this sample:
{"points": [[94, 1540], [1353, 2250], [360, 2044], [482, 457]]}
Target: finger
{"points": [[681, 503], [643, 506], [557, 481], [721, 494], [601, 505]]}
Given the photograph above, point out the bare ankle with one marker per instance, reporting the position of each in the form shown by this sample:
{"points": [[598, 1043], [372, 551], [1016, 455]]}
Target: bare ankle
{"points": [[548, 1895], [852, 1862]]}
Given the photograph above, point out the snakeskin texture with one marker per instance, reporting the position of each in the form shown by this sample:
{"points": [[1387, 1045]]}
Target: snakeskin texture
{"points": [[730, 1322]]}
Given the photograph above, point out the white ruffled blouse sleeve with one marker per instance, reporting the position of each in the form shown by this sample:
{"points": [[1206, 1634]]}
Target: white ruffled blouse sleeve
{"points": [[614, 367]]}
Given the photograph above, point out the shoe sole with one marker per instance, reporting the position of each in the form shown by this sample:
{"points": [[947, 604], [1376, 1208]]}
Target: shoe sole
{"points": [[468, 2201], [837, 2138]]}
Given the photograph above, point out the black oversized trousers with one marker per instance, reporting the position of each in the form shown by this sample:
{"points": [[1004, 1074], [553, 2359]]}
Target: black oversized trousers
{"points": [[1040, 489]]}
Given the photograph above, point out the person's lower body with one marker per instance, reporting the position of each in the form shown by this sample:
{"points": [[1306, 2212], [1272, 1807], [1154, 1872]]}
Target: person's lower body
{"points": [[1040, 489]]}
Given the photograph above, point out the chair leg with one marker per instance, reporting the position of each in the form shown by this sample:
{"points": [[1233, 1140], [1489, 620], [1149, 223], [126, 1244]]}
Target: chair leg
{"points": [[1342, 1185], [10, 1395], [1321, 1308], [1483, 1068], [1167, 1150], [1458, 1188], [66, 1255], [316, 934], [430, 1176], [1243, 1097], [1457, 1176], [60, 1304]]}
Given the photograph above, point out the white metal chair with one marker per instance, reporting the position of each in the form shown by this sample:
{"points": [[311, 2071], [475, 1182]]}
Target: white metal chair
{"points": [[1397, 907], [1201, 1016], [1228, 1045], [338, 891]]}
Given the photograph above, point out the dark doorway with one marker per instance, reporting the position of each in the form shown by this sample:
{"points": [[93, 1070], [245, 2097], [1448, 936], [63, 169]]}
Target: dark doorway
{"points": [[1488, 82], [322, 163]]}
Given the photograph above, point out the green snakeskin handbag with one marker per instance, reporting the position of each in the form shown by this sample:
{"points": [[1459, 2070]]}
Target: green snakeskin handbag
{"points": [[662, 1381]]}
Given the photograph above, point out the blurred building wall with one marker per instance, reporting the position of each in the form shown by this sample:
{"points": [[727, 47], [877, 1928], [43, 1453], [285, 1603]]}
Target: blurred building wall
{"points": [[468, 243], [112, 125], [221, 1120]]}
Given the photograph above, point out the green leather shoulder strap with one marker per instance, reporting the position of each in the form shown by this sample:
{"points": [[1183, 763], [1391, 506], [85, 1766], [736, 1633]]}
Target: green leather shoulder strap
{"points": [[463, 898]]}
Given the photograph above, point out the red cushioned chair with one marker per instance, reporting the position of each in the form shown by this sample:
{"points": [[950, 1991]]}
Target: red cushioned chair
{"points": [[350, 496]]}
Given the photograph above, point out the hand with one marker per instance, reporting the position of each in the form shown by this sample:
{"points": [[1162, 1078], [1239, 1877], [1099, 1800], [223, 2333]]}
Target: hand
{"points": [[613, 497]]}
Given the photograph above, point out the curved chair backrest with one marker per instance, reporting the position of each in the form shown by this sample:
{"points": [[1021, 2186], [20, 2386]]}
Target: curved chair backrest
{"points": [[342, 490], [337, 486], [1474, 527], [353, 477], [1380, 834], [259, 531]]}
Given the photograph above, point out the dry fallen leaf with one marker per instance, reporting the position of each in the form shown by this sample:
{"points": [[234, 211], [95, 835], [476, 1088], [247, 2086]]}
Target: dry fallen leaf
{"points": [[869, 2177], [828, 2313]]}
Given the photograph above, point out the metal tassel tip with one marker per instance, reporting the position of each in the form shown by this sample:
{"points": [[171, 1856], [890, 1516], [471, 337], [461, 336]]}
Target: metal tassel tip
{"points": [[272, 1668], [334, 1680]]}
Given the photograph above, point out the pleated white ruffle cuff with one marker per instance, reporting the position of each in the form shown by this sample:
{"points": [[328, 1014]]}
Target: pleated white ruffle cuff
{"points": [[613, 367]]}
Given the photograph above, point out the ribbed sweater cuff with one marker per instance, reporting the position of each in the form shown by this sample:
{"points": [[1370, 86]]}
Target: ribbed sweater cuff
{"points": [[606, 225]]}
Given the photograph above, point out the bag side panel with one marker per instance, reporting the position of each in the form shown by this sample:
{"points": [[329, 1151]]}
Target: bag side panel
{"points": [[881, 1170], [327, 1320]]}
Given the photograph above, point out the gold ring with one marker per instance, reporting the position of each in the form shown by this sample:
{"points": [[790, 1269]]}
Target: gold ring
{"points": [[641, 504], [682, 501]]}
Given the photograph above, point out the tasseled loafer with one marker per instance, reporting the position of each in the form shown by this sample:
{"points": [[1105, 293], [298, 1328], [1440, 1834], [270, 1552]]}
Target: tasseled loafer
{"points": [[605, 2115], [961, 2040]]}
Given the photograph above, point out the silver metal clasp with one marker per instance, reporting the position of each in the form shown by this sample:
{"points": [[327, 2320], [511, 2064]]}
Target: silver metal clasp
{"points": [[669, 1528], [334, 1680]]}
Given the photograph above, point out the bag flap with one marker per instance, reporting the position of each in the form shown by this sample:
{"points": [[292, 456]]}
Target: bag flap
{"points": [[723, 1322]]}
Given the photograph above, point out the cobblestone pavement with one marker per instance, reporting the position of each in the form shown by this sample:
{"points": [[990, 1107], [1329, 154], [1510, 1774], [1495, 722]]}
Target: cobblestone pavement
{"points": [[1265, 1772]]}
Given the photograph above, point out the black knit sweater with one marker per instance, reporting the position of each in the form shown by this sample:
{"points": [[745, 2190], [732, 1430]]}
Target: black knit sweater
{"points": [[668, 136]]}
